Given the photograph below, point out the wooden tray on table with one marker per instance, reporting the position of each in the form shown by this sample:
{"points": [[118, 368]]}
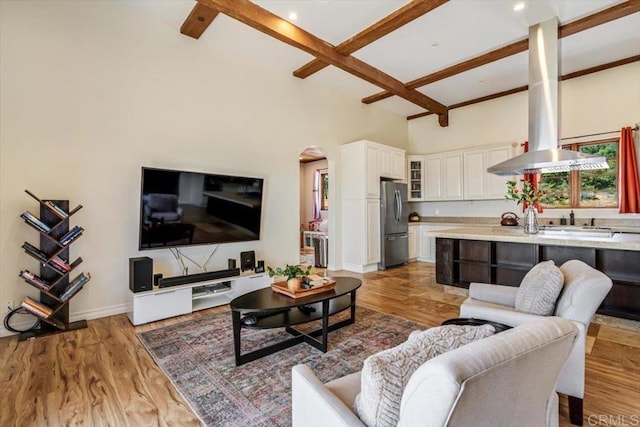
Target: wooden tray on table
{"points": [[282, 288]]}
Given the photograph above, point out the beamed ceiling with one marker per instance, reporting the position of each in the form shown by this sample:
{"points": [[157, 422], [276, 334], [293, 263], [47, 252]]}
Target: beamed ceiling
{"points": [[424, 57]]}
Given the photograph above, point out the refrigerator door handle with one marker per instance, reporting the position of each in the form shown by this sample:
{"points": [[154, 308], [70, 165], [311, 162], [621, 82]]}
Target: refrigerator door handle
{"points": [[404, 236], [398, 205]]}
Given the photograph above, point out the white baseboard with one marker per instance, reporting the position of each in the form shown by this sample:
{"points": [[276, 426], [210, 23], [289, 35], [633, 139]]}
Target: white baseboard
{"points": [[95, 313], [358, 268]]}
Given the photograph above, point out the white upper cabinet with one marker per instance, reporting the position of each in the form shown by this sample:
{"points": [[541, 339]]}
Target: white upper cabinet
{"points": [[452, 176], [359, 170], [443, 176], [391, 163], [496, 185], [475, 167], [433, 180], [364, 163], [478, 183], [458, 175], [398, 164]]}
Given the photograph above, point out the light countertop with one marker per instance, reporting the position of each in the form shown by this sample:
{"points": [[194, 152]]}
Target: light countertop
{"points": [[451, 224], [624, 241]]}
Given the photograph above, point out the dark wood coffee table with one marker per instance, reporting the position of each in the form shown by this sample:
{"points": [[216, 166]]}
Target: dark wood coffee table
{"points": [[274, 310]]}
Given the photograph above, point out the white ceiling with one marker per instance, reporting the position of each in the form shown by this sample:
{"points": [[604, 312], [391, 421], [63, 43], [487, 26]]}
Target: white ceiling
{"points": [[452, 33]]}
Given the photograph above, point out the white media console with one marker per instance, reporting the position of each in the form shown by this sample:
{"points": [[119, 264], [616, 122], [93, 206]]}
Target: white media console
{"points": [[162, 303]]}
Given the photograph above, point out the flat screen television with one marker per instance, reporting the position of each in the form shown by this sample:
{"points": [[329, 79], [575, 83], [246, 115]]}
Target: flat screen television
{"points": [[180, 208]]}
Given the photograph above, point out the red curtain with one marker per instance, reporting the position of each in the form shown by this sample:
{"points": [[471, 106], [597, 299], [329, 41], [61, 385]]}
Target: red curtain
{"points": [[629, 187], [534, 178]]}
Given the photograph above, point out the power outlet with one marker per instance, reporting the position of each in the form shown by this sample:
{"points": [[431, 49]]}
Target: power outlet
{"points": [[8, 306]]}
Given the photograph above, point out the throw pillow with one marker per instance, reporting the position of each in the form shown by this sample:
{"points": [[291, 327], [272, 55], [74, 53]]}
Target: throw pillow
{"points": [[540, 289], [386, 374]]}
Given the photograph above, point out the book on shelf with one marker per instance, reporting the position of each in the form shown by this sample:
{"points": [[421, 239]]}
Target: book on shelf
{"points": [[71, 239], [77, 283], [74, 233], [35, 225], [57, 268], [56, 209], [35, 221], [33, 310], [59, 262], [36, 307], [35, 280], [28, 247]]}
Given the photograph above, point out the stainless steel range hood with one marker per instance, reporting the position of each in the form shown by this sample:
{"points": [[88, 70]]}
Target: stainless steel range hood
{"points": [[544, 154]]}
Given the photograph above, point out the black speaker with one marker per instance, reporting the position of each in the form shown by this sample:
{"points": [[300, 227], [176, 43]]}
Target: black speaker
{"points": [[231, 263], [247, 260], [140, 274], [260, 266], [156, 278]]}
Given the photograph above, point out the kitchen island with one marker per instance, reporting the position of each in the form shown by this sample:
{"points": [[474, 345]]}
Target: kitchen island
{"points": [[504, 255]]}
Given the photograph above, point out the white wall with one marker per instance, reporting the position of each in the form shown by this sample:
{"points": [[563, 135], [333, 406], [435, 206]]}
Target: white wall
{"points": [[92, 91], [599, 102]]}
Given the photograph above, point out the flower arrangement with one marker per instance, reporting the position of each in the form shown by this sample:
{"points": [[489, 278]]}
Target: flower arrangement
{"points": [[528, 194]]}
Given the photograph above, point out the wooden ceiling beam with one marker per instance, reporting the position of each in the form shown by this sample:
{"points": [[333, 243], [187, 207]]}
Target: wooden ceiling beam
{"points": [[274, 26], [198, 21], [388, 24], [569, 76], [610, 14], [494, 55], [607, 15]]}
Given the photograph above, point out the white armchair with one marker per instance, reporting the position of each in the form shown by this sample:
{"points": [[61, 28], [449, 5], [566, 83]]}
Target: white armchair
{"points": [[507, 379], [583, 291]]}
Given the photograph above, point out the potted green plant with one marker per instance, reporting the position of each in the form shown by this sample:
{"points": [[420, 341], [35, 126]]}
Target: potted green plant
{"points": [[414, 216], [292, 273]]}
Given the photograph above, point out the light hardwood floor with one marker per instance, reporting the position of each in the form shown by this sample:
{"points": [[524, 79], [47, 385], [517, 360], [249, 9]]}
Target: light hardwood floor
{"points": [[103, 376]]}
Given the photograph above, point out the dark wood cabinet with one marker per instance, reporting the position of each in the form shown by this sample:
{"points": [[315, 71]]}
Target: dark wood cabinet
{"points": [[460, 262], [472, 262], [446, 252], [562, 254]]}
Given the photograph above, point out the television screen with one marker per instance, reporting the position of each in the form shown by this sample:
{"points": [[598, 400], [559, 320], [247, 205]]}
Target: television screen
{"points": [[179, 208]]}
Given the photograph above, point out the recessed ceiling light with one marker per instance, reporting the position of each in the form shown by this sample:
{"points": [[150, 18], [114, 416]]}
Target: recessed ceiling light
{"points": [[518, 6], [293, 16]]}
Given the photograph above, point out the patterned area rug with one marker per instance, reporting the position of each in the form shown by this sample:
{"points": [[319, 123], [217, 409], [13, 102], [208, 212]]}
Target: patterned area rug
{"points": [[197, 356]]}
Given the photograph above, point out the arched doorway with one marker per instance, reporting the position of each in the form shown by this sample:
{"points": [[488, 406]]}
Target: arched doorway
{"points": [[315, 211]]}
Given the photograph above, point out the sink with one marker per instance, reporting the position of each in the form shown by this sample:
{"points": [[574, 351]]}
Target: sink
{"points": [[563, 231], [585, 231]]}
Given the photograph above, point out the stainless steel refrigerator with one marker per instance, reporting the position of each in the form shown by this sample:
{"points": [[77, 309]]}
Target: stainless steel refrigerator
{"points": [[394, 225]]}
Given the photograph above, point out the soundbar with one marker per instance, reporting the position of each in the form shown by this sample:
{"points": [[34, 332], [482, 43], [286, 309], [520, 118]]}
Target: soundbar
{"points": [[165, 282]]}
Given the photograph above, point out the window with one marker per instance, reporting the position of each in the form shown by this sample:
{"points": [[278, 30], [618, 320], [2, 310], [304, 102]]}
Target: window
{"points": [[590, 188], [324, 190]]}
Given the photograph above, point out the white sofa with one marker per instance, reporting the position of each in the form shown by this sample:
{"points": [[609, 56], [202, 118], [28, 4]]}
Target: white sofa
{"points": [[507, 379], [583, 291]]}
